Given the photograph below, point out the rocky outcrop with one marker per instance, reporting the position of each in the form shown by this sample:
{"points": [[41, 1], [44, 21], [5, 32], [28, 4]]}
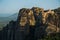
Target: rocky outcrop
{"points": [[31, 24]]}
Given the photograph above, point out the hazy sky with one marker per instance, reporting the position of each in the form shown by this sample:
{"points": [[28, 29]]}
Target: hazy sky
{"points": [[13, 6]]}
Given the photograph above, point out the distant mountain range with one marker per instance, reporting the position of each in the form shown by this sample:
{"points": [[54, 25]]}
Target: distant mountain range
{"points": [[5, 20], [5, 14]]}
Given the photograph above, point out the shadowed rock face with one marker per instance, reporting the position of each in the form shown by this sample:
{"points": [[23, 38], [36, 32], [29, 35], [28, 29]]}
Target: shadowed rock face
{"points": [[38, 13], [31, 24]]}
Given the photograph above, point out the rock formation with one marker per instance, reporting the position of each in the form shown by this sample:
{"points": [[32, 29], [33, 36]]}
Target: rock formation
{"points": [[31, 24]]}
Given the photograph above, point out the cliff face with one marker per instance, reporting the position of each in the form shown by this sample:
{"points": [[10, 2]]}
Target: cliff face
{"points": [[26, 16], [32, 24], [37, 16]]}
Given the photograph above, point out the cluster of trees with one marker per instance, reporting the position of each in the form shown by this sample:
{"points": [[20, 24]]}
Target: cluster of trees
{"points": [[54, 36]]}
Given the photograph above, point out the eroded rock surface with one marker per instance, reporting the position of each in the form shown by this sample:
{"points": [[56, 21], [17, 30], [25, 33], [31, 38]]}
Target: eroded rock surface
{"points": [[32, 24]]}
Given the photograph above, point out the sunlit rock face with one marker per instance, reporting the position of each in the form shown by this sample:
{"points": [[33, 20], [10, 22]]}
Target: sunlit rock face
{"points": [[36, 15], [51, 18], [26, 16], [52, 28], [22, 17], [31, 18], [46, 15], [37, 10]]}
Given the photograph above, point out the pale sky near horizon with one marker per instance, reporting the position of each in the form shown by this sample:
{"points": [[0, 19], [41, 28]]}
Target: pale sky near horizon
{"points": [[13, 6]]}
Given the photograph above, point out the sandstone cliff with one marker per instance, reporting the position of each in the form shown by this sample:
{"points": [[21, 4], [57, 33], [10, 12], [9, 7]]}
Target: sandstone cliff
{"points": [[32, 24]]}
